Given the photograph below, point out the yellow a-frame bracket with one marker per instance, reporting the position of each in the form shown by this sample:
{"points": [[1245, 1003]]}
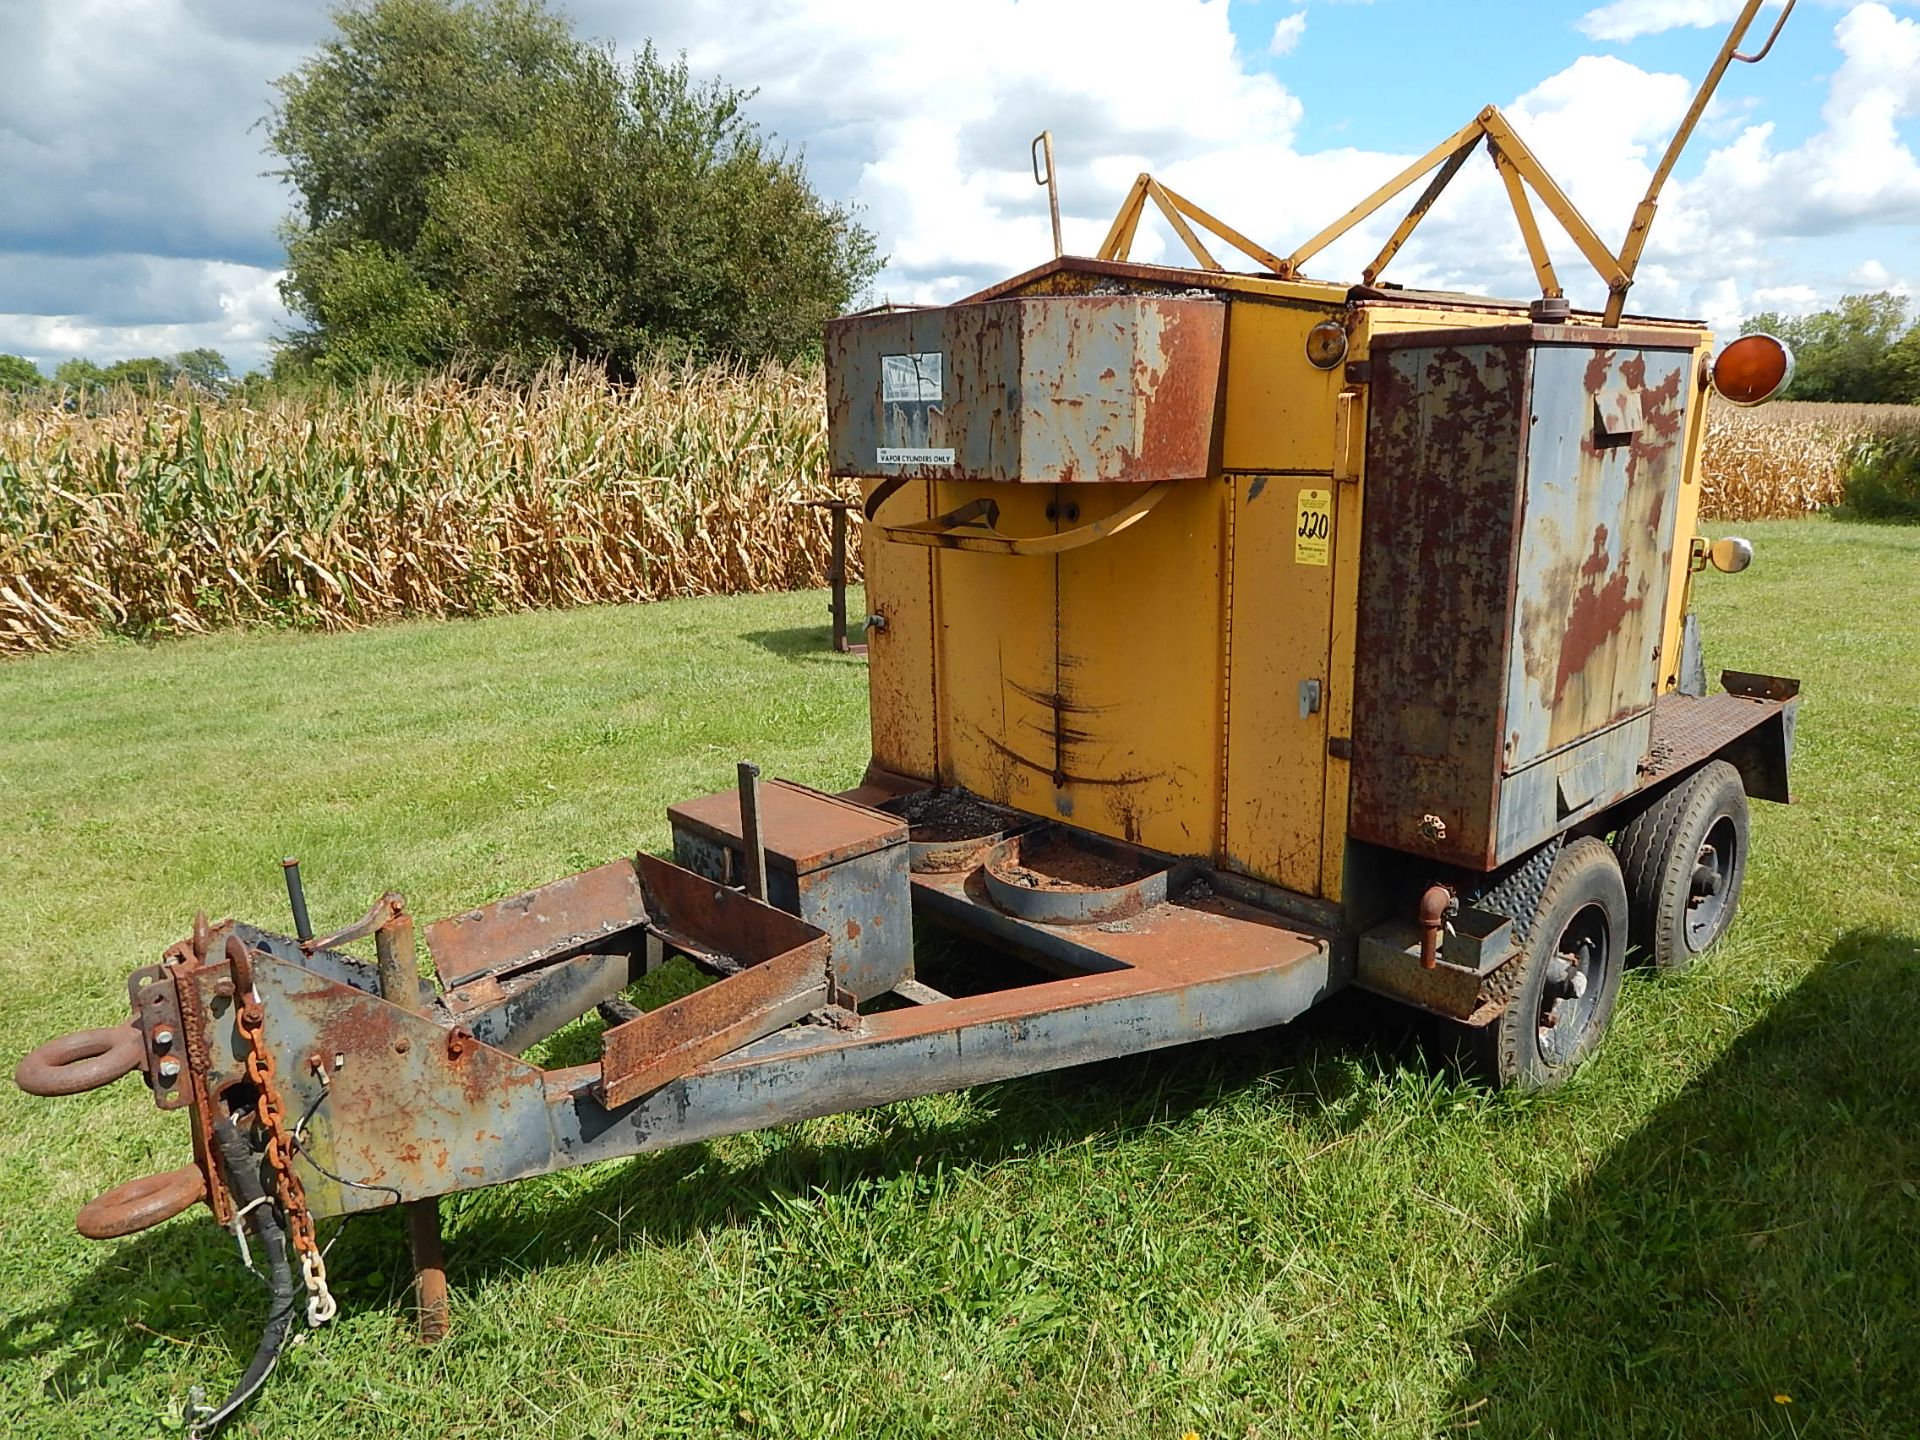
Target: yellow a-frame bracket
{"points": [[1519, 172], [1179, 211], [1510, 153]]}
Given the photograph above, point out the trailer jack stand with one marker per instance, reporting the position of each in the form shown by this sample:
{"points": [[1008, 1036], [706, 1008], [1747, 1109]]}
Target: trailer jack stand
{"points": [[429, 1270]]}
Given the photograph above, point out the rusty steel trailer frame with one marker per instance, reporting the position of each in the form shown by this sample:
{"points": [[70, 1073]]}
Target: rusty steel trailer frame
{"points": [[408, 1089]]}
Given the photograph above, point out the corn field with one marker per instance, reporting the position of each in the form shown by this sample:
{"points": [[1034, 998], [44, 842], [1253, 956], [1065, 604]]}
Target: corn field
{"points": [[1789, 458], [168, 516]]}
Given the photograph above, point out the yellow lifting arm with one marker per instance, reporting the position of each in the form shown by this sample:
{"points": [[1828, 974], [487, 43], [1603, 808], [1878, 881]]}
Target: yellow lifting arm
{"points": [[1519, 170], [1636, 241]]}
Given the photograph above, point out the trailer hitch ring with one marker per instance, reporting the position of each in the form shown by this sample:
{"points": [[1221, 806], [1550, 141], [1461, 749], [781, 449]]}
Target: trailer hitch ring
{"points": [[141, 1203], [83, 1060]]}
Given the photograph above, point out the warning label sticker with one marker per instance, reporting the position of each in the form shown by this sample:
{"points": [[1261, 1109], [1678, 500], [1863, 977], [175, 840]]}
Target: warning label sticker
{"points": [[911, 379], [892, 455], [1312, 539]]}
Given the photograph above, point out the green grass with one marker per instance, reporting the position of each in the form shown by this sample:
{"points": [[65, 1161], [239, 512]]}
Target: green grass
{"points": [[1319, 1231]]}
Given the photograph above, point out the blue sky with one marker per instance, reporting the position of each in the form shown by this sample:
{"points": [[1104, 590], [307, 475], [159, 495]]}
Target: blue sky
{"points": [[139, 220], [1430, 56]]}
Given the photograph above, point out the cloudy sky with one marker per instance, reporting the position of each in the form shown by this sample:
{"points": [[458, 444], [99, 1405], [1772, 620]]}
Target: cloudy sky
{"points": [[138, 217]]}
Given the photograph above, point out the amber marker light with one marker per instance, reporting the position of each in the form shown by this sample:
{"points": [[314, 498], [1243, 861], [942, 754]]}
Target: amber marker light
{"points": [[1753, 369]]}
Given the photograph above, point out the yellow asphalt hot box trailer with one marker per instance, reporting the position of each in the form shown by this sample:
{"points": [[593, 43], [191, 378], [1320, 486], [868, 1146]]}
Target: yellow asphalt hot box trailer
{"points": [[1234, 638], [1372, 603]]}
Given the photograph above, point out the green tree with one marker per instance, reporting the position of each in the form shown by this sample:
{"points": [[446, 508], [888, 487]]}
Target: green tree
{"points": [[369, 310], [80, 374], [145, 372], [640, 210], [19, 375], [473, 180], [1860, 350], [206, 368]]}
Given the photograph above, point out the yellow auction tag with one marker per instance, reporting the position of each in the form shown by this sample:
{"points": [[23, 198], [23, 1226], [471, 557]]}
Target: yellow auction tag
{"points": [[1312, 538]]}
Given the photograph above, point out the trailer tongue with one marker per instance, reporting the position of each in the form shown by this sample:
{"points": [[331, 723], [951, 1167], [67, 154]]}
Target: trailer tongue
{"points": [[319, 1085]]}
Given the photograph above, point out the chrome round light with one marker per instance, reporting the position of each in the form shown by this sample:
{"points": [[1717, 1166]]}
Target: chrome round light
{"points": [[1326, 344], [1730, 555]]}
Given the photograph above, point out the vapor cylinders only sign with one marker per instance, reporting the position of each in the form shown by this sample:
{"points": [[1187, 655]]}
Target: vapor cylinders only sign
{"points": [[911, 389]]}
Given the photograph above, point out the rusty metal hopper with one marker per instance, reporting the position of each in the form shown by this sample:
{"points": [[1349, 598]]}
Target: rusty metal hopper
{"points": [[1046, 390]]}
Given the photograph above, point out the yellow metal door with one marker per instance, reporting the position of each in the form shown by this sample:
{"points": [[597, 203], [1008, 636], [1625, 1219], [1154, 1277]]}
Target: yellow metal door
{"points": [[1280, 606], [1138, 666], [900, 652], [995, 660]]}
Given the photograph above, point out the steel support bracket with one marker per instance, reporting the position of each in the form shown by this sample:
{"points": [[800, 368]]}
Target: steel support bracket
{"points": [[1478, 944]]}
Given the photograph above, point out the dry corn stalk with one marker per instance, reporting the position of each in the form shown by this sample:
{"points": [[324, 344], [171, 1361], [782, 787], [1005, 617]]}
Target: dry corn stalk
{"points": [[443, 498], [165, 516], [1785, 459]]}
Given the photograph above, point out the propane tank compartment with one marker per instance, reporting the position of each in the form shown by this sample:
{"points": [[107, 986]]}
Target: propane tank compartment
{"points": [[1522, 487]]}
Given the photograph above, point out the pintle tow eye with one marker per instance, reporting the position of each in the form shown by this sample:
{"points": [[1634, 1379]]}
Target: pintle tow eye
{"points": [[81, 1061]]}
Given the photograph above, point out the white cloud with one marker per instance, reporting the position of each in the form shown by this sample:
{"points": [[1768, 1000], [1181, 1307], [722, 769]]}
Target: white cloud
{"points": [[922, 116], [234, 309], [1872, 275], [1286, 34], [1630, 19], [1791, 299], [941, 169], [136, 218], [1858, 170], [924, 113]]}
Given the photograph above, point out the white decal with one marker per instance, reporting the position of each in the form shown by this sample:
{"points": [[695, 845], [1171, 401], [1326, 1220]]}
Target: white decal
{"points": [[887, 455], [910, 379]]}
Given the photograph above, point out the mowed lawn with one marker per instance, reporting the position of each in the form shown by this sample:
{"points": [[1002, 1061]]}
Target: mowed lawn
{"points": [[1318, 1231]]}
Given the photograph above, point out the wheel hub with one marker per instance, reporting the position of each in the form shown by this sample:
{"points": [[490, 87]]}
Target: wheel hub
{"points": [[1706, 912], [1570, 989]]}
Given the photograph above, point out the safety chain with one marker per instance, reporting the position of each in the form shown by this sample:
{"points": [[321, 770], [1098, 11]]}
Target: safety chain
{"points": [[321, 1306]]}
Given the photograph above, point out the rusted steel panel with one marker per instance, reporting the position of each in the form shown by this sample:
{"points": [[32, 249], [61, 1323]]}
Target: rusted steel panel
{"points": [[838, 865], [1055, 876], [866, 908], [802, 829], [413, 1109], [1750, 686], [1047, 390], [1689, 729], [703, 918], [1197, 933], [1754, 731], [1516, 542], [1573, 783], [1479, 943], [1439, 530], [1603, 463], [538, 925], [410, 1109], [530, 1006], [661, 1045], [951, 829], [1666, 335], [1206, 968]]}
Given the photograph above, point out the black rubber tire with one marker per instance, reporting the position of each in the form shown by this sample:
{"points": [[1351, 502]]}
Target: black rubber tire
{"points": [[1583, 909], [1685, 860]]}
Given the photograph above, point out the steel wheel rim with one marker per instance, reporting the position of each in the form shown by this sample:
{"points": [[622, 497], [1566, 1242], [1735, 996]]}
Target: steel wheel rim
{"points": [[1707, 886], [1570, 995]]}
